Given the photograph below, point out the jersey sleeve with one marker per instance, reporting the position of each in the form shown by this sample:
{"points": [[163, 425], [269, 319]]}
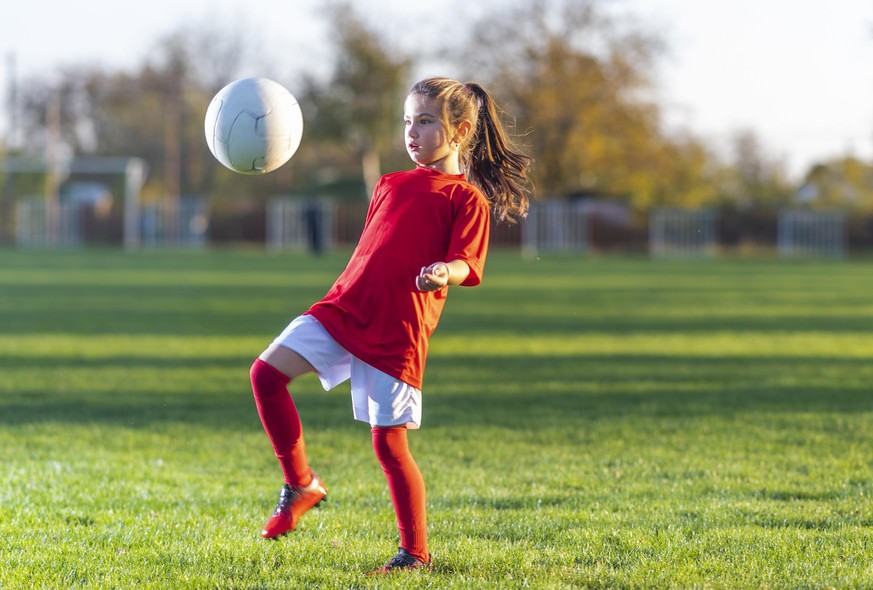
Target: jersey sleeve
{"points": [[471, 230]]}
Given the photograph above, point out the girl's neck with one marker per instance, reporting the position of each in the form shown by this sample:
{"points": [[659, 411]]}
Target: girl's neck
{"points": [[447, 165]]}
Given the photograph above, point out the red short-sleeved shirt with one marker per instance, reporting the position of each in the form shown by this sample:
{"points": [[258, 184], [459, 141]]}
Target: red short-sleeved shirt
{"points": [[374, 309]]}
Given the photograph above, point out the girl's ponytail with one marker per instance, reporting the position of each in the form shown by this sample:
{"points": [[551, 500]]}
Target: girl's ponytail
{"points": [[493, 165]]}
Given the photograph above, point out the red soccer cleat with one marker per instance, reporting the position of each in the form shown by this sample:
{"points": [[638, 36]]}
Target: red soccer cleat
{"points": [[293, 503]]}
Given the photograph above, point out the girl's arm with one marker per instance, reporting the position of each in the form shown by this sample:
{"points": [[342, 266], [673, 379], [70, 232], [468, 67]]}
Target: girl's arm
{"points": [[439, 274]]}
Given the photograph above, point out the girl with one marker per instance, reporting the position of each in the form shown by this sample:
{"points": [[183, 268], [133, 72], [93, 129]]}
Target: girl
{"points": [[426, 229]]}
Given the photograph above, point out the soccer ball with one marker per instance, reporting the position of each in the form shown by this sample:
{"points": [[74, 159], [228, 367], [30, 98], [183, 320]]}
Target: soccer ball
{"points": [[253, 125]]}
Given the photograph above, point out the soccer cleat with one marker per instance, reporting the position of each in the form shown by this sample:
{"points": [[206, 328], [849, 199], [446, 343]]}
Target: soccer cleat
{"points": [[403, 561], [293, 503]]}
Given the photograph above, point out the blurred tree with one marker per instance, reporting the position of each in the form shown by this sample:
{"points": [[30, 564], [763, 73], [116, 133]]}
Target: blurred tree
{"points": [[843, 182], [752, 179], [578, 78], [751, 188], [682, 171], [360, 105]]}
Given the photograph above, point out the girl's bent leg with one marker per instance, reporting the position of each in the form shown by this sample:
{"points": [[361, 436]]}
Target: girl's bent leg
{"points": [[281, 421]]}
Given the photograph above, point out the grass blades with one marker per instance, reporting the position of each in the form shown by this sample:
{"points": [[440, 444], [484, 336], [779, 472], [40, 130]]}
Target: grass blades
{"points": [[593, 423]]}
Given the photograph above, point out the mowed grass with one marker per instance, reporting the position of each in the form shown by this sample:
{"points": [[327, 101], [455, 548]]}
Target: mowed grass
{"points": [[593, 423]]}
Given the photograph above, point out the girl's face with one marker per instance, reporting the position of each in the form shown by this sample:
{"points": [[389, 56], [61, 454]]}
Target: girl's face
{"points": [[427, 139]]}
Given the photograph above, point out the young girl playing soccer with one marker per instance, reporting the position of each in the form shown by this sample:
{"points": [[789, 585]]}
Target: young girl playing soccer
{"points": [[426, 229]]}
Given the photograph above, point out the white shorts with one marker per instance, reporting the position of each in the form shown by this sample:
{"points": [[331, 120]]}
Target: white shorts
{"points": [[377, 398]]}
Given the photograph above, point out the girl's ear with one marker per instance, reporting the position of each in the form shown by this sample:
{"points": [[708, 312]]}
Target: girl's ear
{"points": [[462, 130]]}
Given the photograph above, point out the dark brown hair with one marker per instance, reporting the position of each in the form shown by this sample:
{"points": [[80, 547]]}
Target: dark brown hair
{"points": [[486, 154]]}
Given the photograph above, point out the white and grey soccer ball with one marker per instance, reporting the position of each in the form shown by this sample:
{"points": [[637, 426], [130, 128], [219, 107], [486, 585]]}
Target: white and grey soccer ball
{"points": [[253, 125]]}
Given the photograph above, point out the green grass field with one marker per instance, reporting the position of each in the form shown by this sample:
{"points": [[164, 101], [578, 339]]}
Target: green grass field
{"points": [[598, 423]]}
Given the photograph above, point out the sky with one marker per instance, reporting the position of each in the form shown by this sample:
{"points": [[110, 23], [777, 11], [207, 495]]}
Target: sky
{"points": [[797, 74]]}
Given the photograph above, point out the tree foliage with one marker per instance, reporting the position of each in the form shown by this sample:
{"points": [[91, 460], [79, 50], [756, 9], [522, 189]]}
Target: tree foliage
{"points": [[576, 81], [845, 183], [579, 80], [751, 179]]}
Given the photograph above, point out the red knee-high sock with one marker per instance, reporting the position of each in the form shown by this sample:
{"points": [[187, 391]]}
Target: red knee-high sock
{"points": [[281, 422], [406, 486]]}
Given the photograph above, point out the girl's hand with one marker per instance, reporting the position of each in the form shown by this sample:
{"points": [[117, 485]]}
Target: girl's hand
{"points": [[433, 277]]}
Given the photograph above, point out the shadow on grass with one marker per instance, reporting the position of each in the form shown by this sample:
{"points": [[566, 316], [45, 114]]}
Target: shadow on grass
{"points": [[552, 392], [225, 410], [154, 310], [218, 312], [575, 322], [248, 306], [55, 363]]}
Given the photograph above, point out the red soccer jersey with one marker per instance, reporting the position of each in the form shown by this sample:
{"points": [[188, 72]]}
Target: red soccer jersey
{"points": [[374, 309]]}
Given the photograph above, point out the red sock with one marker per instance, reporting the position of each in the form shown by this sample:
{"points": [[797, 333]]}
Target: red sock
{"points": [[281, 422], [406, 486]]}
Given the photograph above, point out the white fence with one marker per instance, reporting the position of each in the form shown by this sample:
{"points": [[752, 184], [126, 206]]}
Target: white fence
{"points": [[807, 233], [682, 232], [300, 224], [37, 226], [164, 225], [555, 226], [562, 227]]}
